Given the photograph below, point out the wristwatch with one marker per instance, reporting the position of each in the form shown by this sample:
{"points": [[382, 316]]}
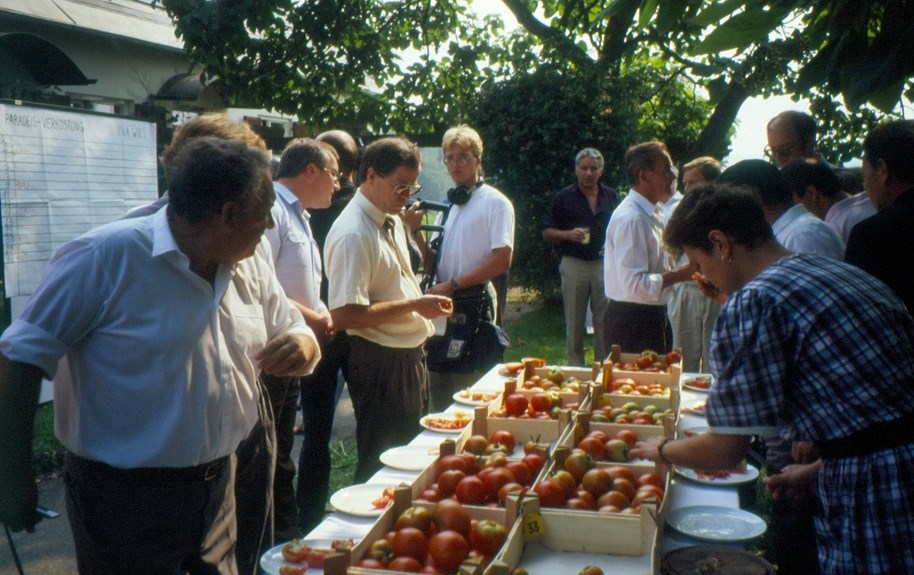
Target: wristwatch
{"points": [[454, 286]]}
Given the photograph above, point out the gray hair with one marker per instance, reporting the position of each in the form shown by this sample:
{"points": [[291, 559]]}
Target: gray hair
{"points": [[589, 153]]}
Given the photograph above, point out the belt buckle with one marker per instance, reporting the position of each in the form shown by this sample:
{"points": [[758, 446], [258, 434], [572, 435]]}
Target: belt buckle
{"points": [[212, 470]]}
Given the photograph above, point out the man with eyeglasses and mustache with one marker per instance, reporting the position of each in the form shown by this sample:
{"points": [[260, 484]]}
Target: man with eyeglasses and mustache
{"points": [[476, 244], [376, 298]]}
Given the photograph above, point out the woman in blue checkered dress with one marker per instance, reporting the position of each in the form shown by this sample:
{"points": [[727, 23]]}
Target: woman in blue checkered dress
{"points": [[815, 350]]}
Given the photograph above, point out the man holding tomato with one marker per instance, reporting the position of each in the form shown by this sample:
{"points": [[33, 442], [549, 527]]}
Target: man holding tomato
{"points": [[165, 322], [376, 298]]}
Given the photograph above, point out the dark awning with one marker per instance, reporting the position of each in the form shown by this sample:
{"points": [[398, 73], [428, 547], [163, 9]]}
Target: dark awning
{"points": [[187, 86], [43, 62]]}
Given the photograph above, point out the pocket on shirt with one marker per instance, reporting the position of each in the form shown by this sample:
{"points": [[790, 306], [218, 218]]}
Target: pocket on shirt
{"points": [[247, 328]]}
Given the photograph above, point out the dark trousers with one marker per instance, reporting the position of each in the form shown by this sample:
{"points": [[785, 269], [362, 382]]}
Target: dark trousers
{"points": [[255, 458], [149, 521], [318, 405], [637, 327], [389, 391], [283, 394]]}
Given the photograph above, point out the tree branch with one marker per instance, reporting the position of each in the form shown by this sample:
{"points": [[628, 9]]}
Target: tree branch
{"points": [[551, 37]]}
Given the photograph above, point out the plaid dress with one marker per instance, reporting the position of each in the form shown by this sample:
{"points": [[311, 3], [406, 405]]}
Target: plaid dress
{"points": [[818, 350]]}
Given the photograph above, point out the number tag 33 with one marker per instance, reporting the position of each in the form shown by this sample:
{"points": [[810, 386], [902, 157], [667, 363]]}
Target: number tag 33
{"points": [[534, 528]]}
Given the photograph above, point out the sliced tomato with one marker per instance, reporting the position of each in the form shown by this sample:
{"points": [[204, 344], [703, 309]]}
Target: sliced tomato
{"points": [[295, 551]]}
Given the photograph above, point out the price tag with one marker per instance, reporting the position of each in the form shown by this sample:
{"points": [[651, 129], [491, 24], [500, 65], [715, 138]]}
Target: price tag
{"points": [[534, 528]]}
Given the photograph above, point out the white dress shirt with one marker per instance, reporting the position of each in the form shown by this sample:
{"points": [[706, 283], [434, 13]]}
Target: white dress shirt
{"points": [[844, 215], [160, 364], [633, 256], [366, 266], [296, 254], [800, 231]]}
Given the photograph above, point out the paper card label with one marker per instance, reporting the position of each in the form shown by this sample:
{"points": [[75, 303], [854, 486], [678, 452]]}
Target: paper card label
{"points": [[534, 528]]}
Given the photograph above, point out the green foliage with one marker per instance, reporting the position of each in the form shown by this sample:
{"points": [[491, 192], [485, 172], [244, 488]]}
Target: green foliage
{"points": [[540, 332], [47, 451]]}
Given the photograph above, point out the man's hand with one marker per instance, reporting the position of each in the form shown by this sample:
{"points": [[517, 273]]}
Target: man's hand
{"points": [[442, 289], [578, 235], [794, 482], [804, 451], [288, 354], [322, 326], [413, 216], [431, 306]]}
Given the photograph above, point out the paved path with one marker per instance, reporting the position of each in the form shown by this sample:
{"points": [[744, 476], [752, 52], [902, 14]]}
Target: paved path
{"points": [[49, 550]]}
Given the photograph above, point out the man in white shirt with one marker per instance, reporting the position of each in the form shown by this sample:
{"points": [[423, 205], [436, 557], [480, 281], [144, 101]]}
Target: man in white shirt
{"points": [[376, 298], [637, 269], [794, 227], [165, 322], [306, 178], [477, 241]]}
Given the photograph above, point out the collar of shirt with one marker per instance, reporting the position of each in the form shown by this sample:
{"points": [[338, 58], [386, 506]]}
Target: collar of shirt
{"points": [[787, 218], [163, 241], [369, 208], [284, 194]]}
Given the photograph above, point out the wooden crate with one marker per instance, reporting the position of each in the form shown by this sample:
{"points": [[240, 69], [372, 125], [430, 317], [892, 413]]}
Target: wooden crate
{"points": [[598, 396], [611, 370], [523, 429], [583, 425], [343, 563]]}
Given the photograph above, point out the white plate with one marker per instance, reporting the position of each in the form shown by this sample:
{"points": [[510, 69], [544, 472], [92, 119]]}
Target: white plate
{"points": [[424, 422], [356, 499], [272, 560], [750, 474], [693, 431], [716, 524], [690, 383], [460, 398], [697, 408], [408, 457]]}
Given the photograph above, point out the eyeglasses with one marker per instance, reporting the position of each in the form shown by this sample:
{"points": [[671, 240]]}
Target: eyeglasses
{"points": [[333, 173], [460, 159], [406, 189], [780, 151]]}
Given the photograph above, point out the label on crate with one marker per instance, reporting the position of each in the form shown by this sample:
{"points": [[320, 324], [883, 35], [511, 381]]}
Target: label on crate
{"points": [[534, 528]]}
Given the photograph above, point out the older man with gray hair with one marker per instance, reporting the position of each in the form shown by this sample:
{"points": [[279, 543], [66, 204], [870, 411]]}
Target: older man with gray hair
{"points": [[576, 223]]}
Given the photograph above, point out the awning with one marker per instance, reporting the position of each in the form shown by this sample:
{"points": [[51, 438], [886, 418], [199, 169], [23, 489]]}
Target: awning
{"points": [[44, 63], [187, 86]]}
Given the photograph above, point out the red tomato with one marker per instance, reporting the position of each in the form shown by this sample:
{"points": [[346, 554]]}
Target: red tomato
{"points": [[451, 515], [410, 542], [621, 471], [590, 570], [476, 444], [451, 462], [430, 495], [516, 405], [295, 551], [497, 479], [369, 563], [507, 489], [495, 448], [613, 499], [644, 362], [672, 357], [447, 481], [534, 461], [471, 461], [578, 463], [522, 472], [405, 565], [578, 503], [381, 551], [601, 435], [566, 480], [593, 446], [541, 402], [497, 459], [448, 549], [550, 492], [290, 570], [418, 517], [624, 486], [487, 536], [596, 481], [628, 436], [471, 490], [316, 558], [649, 479], [585, 495], [432, 569], [650, 492], [505, 438]]}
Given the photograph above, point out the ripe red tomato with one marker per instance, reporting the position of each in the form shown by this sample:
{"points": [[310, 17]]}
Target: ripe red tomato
{"points": [[447, 481], [613, 499], [649, 479], [451, 462], [487, 536], [628, 436], [432, 569], [624, 486], [566, 480], [522, 472], [472, 462], [534, 461], [451, 515], [621, 471], [644, 362], [498, 478], [290, 570], [507, 489], [431, 495], [381, 551], [497, 459], [579, 503], [316, 558], [516, 405], [505, 438], [418, 517], [593, 446], [599, 434], [476, 444], [369, 563], [550, 492], [410, 542], [471, 490], [405, 565], [590, 570], [578, 463], [448, 549], [672, 357], [541, 402]]}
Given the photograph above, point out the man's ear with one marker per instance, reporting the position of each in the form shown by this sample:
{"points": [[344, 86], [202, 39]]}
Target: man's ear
{"points": [[230, 213]]}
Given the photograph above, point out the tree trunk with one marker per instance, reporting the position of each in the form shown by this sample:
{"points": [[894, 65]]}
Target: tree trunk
{"points": [[714, 139]]}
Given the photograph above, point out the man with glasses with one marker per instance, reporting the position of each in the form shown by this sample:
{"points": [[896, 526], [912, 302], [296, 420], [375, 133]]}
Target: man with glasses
{"points": [[637, 269], [791, 135], [477, 241], [306, 178], [376, 298], [576, 223]]}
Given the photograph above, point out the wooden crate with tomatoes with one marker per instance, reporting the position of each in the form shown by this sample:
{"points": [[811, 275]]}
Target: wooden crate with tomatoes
{"points": [[644, 368], [411, 535], [609, 442], [514, 414], [634, 410]]}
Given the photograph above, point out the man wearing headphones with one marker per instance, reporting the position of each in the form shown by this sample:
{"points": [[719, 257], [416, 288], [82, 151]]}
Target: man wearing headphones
{"points": [[477, 241]]}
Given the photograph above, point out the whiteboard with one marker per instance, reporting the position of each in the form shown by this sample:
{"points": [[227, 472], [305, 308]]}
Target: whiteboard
{"points": [[63, 173]]}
